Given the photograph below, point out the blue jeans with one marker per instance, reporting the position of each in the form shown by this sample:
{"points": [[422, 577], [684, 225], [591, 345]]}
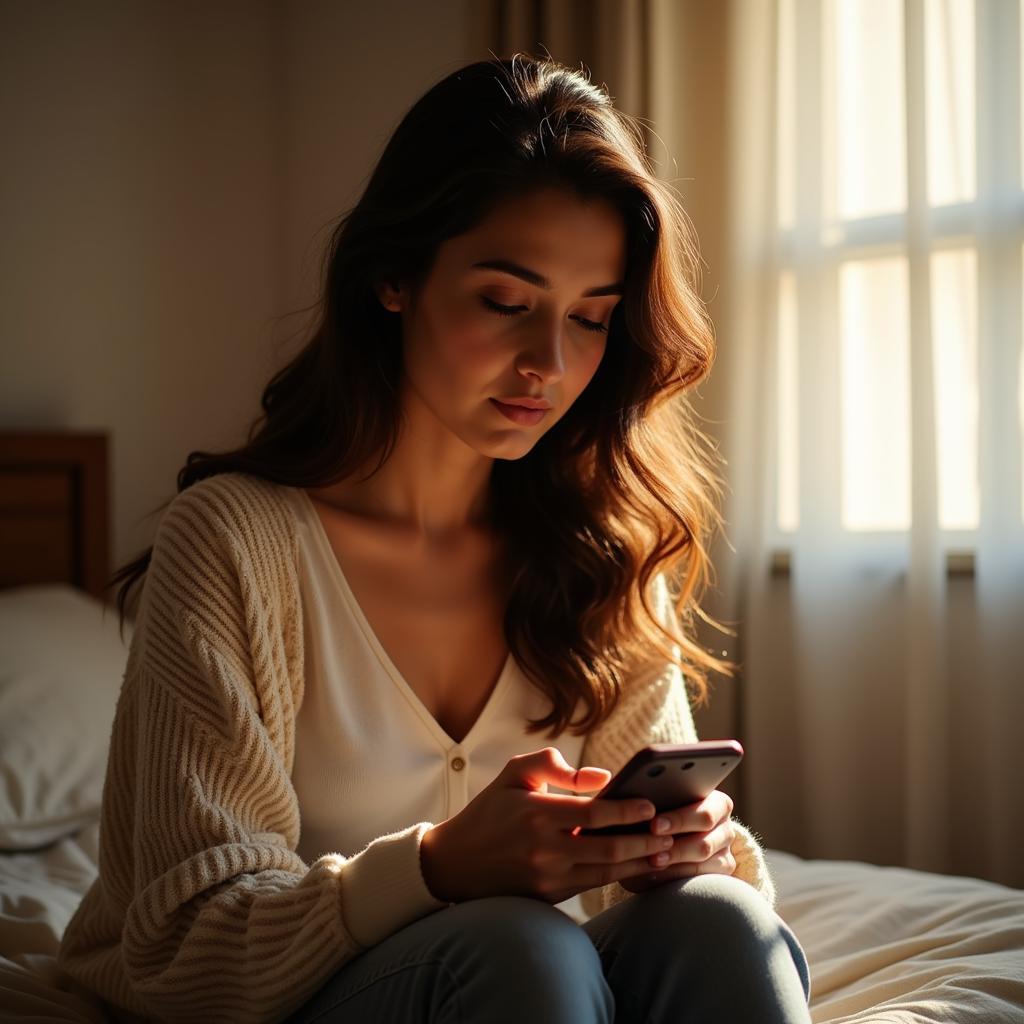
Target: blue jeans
{"points": [[703, 949]]}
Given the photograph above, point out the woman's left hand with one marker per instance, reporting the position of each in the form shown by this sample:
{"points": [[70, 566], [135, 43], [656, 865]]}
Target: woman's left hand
{"points": [[703, 837]]}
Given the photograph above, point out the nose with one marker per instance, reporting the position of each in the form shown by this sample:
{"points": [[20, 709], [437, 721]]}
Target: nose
{"points": [[542, 356]]}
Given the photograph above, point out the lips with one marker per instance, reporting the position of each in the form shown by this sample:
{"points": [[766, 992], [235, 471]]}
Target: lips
{"points": [[520, 414], [526, 402]]}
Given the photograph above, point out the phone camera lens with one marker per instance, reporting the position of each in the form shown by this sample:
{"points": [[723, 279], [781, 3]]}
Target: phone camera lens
{"points": [[655, 770]]}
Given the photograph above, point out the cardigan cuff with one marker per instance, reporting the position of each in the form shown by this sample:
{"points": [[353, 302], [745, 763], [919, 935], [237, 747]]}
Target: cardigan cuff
{"points": [[382, 886], [751, 866]]}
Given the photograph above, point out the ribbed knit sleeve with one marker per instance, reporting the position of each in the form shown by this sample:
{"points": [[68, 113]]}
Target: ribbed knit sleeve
{"points": [[655, 708], [202, 910]]}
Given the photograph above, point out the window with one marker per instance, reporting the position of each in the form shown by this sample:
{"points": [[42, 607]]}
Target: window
{"points": [[900, 217]]}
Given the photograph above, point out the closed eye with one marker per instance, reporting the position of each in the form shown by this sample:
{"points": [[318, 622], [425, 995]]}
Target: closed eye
{"points": [[513, 310]]}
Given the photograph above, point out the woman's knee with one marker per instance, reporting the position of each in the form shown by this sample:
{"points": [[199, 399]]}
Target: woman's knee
{"points": [[714, 906], [525, 959], [514, 926], [724, 912], [723, 901], [516, 955]]}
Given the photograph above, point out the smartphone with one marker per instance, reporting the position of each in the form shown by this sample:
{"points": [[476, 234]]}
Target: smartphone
{"points": [[670, 775]]}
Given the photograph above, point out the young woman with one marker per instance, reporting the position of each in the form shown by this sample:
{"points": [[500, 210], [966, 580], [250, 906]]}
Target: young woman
{"points": [[384, 650]]}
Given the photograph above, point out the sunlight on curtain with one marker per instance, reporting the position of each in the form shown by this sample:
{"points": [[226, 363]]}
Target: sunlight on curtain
{"points": [[949, 101], [868, 105], [789, 411], [868, 42], [879, 281], [955, 334], [875, 379]]}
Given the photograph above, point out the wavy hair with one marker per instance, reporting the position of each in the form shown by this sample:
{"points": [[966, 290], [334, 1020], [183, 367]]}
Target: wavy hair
{"points": [[618, 491]]}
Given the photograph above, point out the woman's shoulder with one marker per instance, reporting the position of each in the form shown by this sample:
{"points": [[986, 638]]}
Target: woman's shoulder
{"points": [[239, 510], [232, 497], [233, 488]]}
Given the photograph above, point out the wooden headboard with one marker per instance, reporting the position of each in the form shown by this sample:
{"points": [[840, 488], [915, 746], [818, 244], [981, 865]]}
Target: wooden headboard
{"points": [[54, 510]]}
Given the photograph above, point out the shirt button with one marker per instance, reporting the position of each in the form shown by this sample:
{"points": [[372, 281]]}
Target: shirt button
{"points": [[458, 764]]}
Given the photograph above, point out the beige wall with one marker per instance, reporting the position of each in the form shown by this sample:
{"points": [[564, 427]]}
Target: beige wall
{"points": [[169, 172], [350, 71]]}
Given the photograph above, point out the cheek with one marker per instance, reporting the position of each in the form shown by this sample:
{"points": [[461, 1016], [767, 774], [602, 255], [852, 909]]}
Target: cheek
{"points": [[476, 350], [586, 366], [455, 346]]}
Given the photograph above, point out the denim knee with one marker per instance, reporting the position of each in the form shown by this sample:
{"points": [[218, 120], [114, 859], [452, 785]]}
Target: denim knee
{"points": [[529, 959], [524, 931], [503, 960], [724, 896], [722, 910]]}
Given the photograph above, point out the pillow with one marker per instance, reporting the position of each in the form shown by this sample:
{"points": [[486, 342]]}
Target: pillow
{"points": [[61, 667]]}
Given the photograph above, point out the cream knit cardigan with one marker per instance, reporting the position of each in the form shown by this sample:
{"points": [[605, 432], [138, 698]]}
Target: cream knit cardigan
{"points": [[202, 910]]}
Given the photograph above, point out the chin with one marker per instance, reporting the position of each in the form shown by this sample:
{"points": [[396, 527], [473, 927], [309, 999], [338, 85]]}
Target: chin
{"points": [[508, 448]]}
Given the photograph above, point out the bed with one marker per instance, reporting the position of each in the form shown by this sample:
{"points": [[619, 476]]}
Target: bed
{"points": [[884, 943]]}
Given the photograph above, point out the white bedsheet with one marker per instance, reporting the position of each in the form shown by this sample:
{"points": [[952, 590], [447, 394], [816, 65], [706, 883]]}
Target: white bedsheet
{"points": [[885, 944], [904, 947], [39, 891]]}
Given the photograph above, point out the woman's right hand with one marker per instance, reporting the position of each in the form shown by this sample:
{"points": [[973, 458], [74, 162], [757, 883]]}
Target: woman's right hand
{"points": [[516, 839]]}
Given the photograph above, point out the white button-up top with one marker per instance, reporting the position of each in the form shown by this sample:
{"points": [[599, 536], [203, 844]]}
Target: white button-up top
{"points": [[370, 759]]}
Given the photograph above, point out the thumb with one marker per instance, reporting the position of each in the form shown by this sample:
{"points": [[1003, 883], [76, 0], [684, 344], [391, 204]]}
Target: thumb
{"points": [[535, 770], [587, 779], [580, 779]]}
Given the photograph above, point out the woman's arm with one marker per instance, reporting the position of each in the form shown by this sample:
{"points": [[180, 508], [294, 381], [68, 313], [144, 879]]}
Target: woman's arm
{"points": [[655, 708], [203, 910]]}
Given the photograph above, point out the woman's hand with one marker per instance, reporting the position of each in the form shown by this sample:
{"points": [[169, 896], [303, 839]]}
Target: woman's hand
{"points": [[703, 835], [514, 838]]}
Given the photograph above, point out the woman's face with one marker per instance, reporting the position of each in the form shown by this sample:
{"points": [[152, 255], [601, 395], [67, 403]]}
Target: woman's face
{"points": [[518, 307]]}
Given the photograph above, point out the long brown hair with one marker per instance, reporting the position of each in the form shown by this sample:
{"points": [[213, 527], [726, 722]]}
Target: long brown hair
{"points": [[622, 487]]}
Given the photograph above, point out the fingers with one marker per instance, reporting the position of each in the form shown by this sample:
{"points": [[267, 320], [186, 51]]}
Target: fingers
{"points": [[722, 863], [593, 812], [619, 847], [625, 844], [616, 849], [590, 813], [585, 813], [701, 846], [698, 841], [589, 876], [701, 852], [698, 817]]}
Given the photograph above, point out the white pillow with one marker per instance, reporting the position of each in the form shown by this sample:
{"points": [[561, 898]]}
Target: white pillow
{"points": [[61, 668]]}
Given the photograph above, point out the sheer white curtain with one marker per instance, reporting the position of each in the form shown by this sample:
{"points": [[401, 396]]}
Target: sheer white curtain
{"points": [[866, 281], [875, 424]]}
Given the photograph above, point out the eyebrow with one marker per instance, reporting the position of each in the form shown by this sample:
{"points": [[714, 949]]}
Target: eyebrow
{"points": [[532, 277]]}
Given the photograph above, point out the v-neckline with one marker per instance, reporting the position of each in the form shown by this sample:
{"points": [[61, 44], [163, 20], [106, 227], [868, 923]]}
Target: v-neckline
{"points": [[327, 551]]}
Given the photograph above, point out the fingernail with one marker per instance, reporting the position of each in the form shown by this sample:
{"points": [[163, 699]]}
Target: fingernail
{"points": [[661, 824]]}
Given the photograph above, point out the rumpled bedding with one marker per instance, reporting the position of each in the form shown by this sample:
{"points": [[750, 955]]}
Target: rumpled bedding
{"points": [[900, 946], [39, 891]]}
